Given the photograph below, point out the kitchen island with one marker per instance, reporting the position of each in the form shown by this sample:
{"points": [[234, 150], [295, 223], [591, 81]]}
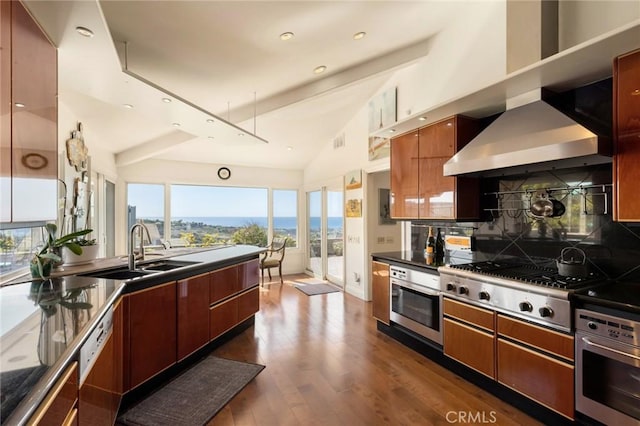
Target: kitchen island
{"points": [[46, 323]]}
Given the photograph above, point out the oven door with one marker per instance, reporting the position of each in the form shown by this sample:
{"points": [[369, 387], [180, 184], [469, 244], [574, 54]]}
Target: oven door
{"points": [[607, 380], [417, 308]]}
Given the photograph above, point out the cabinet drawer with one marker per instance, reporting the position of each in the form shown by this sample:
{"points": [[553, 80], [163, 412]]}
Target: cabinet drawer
{"points": [[248, 304], [469, 346], [480, 317], [542, 378], [224, 283], [223, 317], [249, 274], [542, 338]]}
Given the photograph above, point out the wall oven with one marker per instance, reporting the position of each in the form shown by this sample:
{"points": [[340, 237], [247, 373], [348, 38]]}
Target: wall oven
{"points": [[608, 367], [416, 302]]}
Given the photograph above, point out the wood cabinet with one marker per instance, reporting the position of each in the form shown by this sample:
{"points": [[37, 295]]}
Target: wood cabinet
{"points": [[60, 404], [29, 116], [419, 190], [469, 336], [97, 402], [380, 288], [223, 283], [193, 314], [537, 362], [626, 118], [226, 315], [150, 341]]}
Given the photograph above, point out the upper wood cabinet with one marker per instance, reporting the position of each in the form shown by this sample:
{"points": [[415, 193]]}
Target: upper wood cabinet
{"points": [[626, 123], [419, 190], [29, 117]]}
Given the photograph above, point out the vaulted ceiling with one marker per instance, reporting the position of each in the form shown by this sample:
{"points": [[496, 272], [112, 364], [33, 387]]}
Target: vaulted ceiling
{"points": [[227, 59]]}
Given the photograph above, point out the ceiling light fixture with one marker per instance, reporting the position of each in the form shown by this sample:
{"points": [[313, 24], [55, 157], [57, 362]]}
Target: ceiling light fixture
{"points": [[85, 32], [19, 105], [422, 118], [320, 69], [166, 100], [209, 137], [286, 36], [175, 124], [210, 120], [289, 148], [240, 134], [392, 130], [359, 36], [127, 106]]}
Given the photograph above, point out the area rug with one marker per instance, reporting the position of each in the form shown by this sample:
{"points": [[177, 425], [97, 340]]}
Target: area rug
{"points": [[193, 397], [313, 289]]}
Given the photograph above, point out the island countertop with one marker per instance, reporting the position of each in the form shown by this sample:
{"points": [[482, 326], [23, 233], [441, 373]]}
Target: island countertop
{"points": [[43, 323]]}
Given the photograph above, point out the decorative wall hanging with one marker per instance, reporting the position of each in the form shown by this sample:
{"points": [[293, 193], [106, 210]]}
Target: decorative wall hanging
{"points": [[379, 147], [382, 110], [77, 150], [353, 208], [353, 180]]}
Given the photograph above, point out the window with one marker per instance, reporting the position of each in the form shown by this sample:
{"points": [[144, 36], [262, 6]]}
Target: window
{"points": [[285, 215], [145, 203], [17, 247], [209, 215]]}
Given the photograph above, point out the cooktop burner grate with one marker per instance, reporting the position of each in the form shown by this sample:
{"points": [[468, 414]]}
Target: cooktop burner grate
{"points": [[528, 273]]}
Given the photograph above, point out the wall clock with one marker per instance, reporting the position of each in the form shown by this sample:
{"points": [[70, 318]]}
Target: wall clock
{"points": [[224, 173], [34, 161]]}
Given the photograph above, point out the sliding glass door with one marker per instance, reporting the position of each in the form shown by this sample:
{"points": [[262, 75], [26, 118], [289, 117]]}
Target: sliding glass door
{"points": [[314, 233], [335, 236]]}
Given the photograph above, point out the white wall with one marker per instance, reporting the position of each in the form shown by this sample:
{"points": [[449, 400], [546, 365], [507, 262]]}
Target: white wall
{"points": [[464, 58], [178, 172], [582, 20]]}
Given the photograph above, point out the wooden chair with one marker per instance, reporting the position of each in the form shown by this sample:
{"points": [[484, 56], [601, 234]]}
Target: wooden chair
{"points": [[273, 257]]}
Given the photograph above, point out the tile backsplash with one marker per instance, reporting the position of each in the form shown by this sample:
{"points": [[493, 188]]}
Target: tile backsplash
{"points": [[510, 229]]}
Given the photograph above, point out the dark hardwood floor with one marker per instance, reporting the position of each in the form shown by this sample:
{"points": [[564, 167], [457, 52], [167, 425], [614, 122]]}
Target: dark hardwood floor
{"points": [[326, 364]]}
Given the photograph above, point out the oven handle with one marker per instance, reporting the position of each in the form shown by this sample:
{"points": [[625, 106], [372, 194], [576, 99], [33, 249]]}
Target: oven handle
{"points": [[415, 287], [604, 348]]}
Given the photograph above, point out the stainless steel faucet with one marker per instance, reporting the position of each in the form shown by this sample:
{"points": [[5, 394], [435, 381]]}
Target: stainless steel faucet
{"points": [[132, 237]]}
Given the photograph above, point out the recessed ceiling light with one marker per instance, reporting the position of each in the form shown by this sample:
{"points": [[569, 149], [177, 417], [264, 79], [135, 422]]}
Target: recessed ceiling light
{"points": [[127, 106], [166, 100], [240, 134], [83, 31], [422, 118], [320, 69], [209, 137], [392, 130], [289, 148], [209, 120], [19, 105], [175, 124], [359, 36], [286, 36]]}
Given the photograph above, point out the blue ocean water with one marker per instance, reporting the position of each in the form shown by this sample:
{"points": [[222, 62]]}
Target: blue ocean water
{"points": [[278, 222]]}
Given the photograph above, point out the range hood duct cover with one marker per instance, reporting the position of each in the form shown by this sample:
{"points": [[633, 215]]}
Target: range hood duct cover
{"points": [[532, 137]]}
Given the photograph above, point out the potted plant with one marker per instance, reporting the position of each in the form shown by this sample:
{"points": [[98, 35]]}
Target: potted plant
{"points": [[89, 252], [49, 255]]}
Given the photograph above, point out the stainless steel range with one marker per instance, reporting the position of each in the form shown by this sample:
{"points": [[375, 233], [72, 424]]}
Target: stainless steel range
{"points": [[535, 293]]}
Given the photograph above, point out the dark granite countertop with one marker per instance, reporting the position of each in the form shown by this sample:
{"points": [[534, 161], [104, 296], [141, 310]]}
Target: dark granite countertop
{"points": [[416, 259], [618, 295], [42, 326], [44, 323]]}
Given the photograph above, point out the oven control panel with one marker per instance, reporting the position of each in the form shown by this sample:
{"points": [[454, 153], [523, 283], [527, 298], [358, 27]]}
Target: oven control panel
{"points": [[621, 329]]}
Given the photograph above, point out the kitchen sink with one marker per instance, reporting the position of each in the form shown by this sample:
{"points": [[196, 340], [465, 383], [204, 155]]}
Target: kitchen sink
{"points": [[165, 265], [120, 274], [141, 271]]}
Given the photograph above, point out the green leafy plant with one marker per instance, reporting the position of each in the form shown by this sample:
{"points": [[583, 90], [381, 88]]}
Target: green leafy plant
{"points": [[49, 255]]}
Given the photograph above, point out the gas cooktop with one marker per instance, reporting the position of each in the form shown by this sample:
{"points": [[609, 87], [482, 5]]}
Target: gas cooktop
{"points": [[514, 269]]}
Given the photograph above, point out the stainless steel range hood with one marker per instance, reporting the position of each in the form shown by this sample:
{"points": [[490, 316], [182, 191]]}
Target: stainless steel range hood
{"points": [[531, 137]]}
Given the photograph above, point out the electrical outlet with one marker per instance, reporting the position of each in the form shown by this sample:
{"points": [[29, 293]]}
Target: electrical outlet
{"points": [[380, 240], [389, 240]]}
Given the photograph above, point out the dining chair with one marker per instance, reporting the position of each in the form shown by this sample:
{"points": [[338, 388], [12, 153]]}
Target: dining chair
{"points": [[273, 257]]}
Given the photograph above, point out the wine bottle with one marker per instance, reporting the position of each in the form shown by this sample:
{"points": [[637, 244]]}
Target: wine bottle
{"points": [[439, 248], [430, 248]]}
